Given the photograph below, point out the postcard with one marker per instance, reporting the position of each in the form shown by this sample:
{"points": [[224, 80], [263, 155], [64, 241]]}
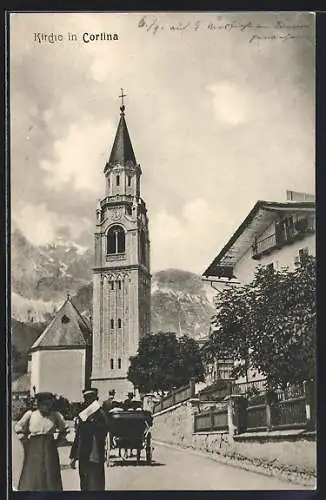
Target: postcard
{"points": [[163, 251]]}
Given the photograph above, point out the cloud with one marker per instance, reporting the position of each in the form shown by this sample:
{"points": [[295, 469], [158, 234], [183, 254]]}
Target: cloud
{"points": [[41, 226], [235, 125], [187, 239], [231, 102], [79, 157]]}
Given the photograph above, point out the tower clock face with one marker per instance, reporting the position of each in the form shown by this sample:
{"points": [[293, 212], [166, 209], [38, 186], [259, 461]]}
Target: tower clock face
{"points": [[116, 214]]}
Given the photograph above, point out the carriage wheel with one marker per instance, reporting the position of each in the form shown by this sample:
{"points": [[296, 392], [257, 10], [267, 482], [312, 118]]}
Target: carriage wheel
{"points": [[138, 455], [149, 449]]}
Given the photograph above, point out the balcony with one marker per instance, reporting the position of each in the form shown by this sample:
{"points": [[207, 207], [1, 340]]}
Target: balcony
{"points": [[285, 234], [264, 246]]}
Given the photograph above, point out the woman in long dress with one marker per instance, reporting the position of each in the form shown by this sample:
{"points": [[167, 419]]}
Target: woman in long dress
{"points": [[41, 466]]}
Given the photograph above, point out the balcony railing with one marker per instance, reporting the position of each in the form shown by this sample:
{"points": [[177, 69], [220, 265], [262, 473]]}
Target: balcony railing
{"points": [[264, 245], [282, 237]]}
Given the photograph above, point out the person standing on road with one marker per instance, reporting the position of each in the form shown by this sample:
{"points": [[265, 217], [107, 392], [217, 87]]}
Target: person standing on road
{"points": [[89, 443], [41, 466]]}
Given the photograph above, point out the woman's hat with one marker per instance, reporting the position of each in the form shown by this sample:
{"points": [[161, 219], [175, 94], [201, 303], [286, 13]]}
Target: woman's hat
{"points": [[44, 396]]}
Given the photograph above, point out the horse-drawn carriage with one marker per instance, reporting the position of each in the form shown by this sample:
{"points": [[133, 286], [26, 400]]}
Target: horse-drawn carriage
{"points": [[130, 430]]}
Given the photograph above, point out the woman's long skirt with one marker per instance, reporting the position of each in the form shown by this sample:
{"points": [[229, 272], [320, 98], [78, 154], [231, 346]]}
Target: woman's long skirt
{"points": [[41, 467]]}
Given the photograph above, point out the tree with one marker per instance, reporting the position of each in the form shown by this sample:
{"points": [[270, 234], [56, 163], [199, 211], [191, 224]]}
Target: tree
{"points": [[17, 360], [163, 362], [231, 334], [284, 324], [269, 324]]}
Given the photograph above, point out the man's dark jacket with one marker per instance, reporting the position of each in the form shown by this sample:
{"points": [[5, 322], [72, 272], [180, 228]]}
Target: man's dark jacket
{"points": [[89, 442]]}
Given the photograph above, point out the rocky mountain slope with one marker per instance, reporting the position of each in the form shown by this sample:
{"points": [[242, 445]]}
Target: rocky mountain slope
{"points": [[42, 275], [44, 272]]}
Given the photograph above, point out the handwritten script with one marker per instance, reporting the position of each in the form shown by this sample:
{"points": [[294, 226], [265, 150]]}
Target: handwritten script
{"points": [[255, 31]]}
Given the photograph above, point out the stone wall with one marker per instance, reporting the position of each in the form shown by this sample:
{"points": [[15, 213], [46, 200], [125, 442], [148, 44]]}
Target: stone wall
{"points": [[174, 425], [286, 452]]}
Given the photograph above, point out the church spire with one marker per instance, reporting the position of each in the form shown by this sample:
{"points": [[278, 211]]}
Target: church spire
{"points": [[122, 151]]}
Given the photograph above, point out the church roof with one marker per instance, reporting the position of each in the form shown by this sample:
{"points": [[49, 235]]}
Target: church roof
{"points": [[122, 151], [67, 329]]}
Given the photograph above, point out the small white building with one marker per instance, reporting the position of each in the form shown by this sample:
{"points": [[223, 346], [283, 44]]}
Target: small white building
{"points": [[277, 234], [60, 359]]}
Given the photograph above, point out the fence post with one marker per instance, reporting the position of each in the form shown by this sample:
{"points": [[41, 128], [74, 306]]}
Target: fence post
{"points": [[212, 417], [269, 424], [195, 424], [237, 415], [192, 384], [231, 424], [271, 401], [309, 395], [173, 397]]}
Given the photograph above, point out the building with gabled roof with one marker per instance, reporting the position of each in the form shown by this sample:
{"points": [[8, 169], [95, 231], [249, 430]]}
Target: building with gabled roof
{"points": [[275, 234], [60, 359]]}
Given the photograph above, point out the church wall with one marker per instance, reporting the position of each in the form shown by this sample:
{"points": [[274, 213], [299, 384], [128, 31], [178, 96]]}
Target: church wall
{"points": [[59, 371], [35, 370], [121, 386], [96, 359]]}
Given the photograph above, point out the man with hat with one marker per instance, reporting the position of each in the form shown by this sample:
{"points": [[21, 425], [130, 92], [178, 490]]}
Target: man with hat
{"points": [[89, 443], [128, 402], [109, 403]]}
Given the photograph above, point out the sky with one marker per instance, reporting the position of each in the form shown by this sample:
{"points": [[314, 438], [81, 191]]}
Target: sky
{"points": [[220, 109]]}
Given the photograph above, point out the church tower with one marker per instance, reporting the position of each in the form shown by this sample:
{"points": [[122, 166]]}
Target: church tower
{"points": [[121, 276]]}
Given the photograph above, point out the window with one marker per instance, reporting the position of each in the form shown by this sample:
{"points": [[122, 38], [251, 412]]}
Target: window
{"points": [[117, 180], [112, 324], [129, 180], [119, 323], [119, 284], [119, 363], [142, 247], [65, 319], [115, 240], [128, 210], [112, 364], [112, 285]]}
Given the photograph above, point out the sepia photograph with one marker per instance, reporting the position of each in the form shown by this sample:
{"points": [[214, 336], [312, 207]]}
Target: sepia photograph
{"points": [[162, 251]]}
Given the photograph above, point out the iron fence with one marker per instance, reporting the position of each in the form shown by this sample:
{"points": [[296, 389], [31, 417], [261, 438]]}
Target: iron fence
{"points": [[256, 418], [176, 396], [245, 388], [289, 413], [213, 420]]}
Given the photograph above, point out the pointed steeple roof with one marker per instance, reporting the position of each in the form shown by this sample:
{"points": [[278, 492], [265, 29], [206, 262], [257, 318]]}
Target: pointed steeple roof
{"points": [[122, 151], [67, 329]]}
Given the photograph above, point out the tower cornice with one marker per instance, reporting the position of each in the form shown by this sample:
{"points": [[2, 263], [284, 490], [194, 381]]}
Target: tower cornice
{"points": [[130, 267]]}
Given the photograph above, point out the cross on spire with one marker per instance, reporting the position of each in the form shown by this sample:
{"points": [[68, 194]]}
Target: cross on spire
{"points": [[122, 107]]}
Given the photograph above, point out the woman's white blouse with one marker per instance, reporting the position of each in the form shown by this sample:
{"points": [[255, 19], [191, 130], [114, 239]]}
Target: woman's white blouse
{"points": [[33, 423]]}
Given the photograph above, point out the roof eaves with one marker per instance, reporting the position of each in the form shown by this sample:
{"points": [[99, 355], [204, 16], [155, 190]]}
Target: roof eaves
{"points": [[259, 204]]}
